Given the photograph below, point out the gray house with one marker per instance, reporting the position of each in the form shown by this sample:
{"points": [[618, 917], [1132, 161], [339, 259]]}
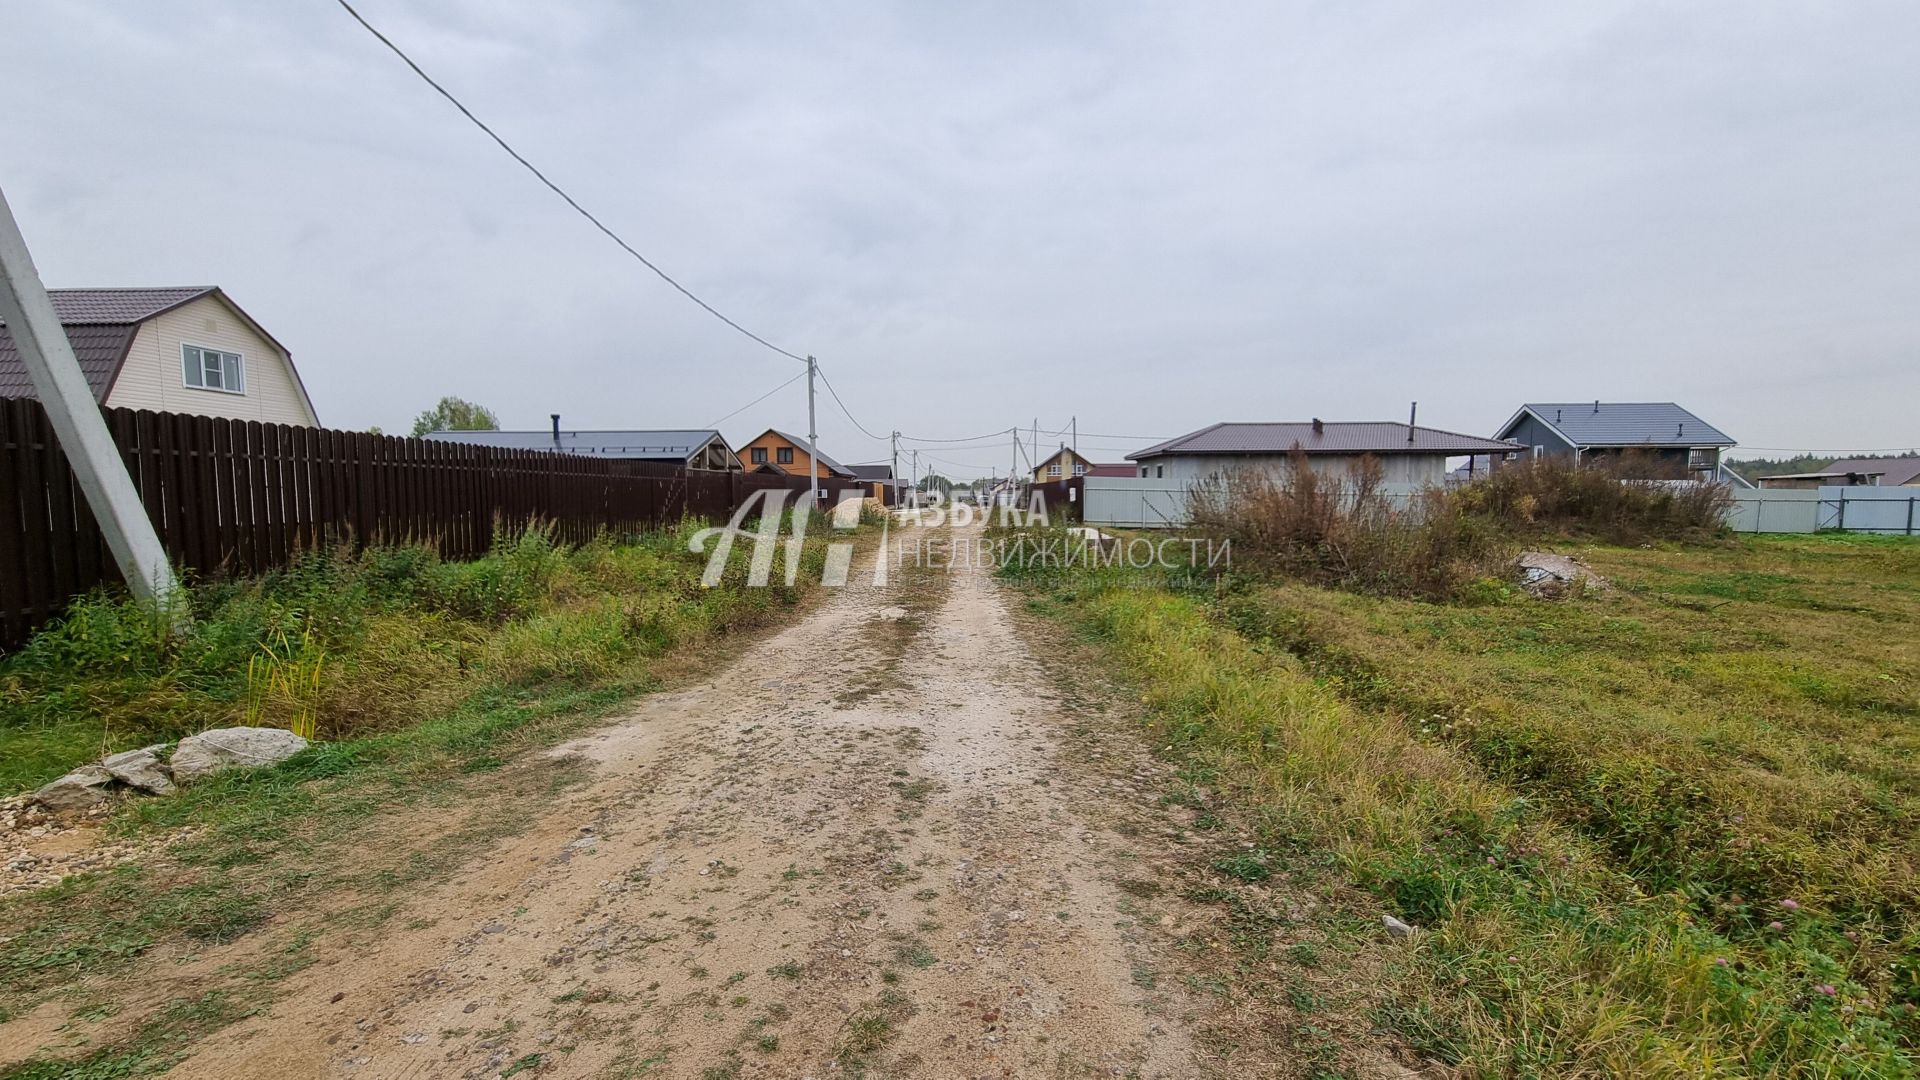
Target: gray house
{"points": [[1686, 445], [693, 448], [1407, 454]]}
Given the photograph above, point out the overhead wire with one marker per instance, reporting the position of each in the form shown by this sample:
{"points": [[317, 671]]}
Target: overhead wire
{"points": [[796, 378], [556, 188]]}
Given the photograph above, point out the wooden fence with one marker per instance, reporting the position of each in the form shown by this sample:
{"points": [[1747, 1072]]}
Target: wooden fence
{"points": [[242, 497]]}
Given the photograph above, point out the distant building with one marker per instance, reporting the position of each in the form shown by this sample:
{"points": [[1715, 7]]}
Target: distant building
{"points": [[1893, 471], [692, 448], [179, 350], [1828, 477], [1065, 464], [1664, 433], [1406, 453], [880, 483]]}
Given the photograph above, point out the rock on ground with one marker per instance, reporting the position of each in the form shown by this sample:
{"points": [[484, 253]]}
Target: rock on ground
{"points": [[1552, 577], [225, 748], [140, 768], [83, 787]]}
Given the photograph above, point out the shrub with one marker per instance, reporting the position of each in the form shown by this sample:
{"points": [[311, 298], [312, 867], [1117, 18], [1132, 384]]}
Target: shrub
{"points": [[1345, 530], [1622, 499]]}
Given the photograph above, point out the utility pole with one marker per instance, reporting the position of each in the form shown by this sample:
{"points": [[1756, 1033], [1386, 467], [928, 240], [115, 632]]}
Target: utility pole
{"points": [[1014, 472], [1033, 456], [1075, 425], [916, 479], [77, 423], [893, 473], [813, 469]]}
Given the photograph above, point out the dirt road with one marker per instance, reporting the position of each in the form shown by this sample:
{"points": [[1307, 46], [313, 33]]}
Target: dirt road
{"points": [[856, 851]]}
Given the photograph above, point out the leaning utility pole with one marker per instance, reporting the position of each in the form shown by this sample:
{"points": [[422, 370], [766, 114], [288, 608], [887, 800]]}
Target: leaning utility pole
{"points": [[813, 469], [77, 423]]}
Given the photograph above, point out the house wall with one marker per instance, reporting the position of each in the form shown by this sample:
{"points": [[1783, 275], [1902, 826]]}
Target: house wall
{"points": [[1185, 469], [1063, 458], [772, 443], [1529, 432], [151, 377]]}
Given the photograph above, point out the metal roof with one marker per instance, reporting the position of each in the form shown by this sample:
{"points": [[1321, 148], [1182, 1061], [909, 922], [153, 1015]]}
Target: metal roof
{"points": [[100, 325], [665, 445], [1622, 423], [1893, 472], [870, 472], [1328, 437]]}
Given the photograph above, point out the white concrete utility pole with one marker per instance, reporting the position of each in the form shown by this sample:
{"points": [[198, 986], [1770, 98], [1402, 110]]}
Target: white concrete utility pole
{"points": [[76, 419], [813, 470], [893, 473]]}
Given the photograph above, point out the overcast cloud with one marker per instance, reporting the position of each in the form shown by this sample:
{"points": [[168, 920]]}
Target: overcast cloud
{"points": [[1152, 216]]}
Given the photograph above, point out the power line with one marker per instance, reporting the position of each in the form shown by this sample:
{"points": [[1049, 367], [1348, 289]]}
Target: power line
{"points": [[1001, 434], [843, 406], [797, 377], [556, 188]]}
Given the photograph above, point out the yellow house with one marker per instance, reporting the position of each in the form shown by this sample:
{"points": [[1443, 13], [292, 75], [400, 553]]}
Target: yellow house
{"points": [[179, 350], [1063, 465]]}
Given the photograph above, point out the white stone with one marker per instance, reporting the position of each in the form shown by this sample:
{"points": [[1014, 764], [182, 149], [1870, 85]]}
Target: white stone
{"points": [[83, 787], [141, 769], [225, 748], [1395, 927]]}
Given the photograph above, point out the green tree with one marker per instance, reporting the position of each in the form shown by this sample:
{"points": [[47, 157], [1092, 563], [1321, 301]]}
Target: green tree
{"points": [[935, 482], [455, 414]]}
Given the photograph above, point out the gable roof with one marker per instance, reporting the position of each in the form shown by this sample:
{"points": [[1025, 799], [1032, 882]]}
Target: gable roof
{"points": [[671, 444], [1622, 423], [800, 445], [882, 471], [1328, 437], [100, 325], [1894, 471]]}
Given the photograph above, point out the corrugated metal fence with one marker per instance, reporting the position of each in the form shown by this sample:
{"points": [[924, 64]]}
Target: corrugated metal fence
{"points": [[241, 497]]}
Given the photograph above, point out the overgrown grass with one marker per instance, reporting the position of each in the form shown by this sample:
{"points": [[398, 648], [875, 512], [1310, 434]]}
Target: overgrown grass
{"points": [[436, 677], [1668, 831], [342, 645]]}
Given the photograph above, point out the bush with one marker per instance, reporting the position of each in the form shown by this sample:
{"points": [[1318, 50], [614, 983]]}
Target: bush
{"points": [[1444, 543], [1622, 499], [1346, 530]]}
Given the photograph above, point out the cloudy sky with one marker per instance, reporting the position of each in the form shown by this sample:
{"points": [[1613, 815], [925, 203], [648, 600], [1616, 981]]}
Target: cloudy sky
{"points": [[1151, 217]]}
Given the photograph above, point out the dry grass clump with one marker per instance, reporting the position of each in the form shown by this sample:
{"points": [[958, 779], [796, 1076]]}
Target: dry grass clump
{"points": [[1344, 529]]}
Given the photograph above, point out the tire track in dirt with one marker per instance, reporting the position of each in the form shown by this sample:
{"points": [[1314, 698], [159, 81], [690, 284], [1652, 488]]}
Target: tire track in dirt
{"points": [[856, 851]]}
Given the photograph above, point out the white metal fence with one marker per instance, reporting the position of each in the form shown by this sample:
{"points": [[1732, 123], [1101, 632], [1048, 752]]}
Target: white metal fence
{"points": [[1150, 504]]}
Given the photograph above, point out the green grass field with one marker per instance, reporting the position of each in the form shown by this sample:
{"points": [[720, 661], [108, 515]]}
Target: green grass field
{"points": [[1669, 829]]}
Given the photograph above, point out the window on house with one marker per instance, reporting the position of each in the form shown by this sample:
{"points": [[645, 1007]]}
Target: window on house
{"points": [[784, 455], [211, 369], [1079, 468], [759, 455], [1053, 469], [1159, 472]]}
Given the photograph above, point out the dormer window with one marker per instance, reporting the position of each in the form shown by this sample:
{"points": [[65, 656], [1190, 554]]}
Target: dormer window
{"points": [[211, 369]]}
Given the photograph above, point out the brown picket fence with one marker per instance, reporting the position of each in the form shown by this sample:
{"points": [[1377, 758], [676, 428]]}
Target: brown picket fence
{"points": [[239, 497]]}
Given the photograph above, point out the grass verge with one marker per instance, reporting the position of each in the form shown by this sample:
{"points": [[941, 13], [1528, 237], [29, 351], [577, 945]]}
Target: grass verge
{"points": [[1551, 944]]}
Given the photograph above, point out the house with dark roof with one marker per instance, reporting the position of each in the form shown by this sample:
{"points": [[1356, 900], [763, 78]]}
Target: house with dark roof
{"points": [[180, 350], [692, 448], [1406, 453], [1660, 431], [1894, 471], [777, 451], [1066, 463], [879, 482]]}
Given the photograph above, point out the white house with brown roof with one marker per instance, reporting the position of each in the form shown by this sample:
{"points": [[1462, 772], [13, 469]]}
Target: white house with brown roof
{"points": [[181, 350], [1407, 454]]}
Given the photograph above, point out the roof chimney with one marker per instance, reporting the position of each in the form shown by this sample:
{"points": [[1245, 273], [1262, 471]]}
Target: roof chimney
{"points": [[1412, 412], [1596, 406], [1318, 427], [556, 430], [1556, 416]]}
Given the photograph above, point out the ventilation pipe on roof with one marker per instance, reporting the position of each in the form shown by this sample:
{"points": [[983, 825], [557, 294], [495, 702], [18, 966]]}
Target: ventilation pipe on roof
{"points": [[1318, 427], [556, 430], [1596, 406], [1412, 412], [1556, 416]]}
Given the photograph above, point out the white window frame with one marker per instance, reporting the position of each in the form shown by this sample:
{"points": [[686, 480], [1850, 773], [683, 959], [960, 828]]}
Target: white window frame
{"points": [[199, 361], [1079, 468], [1053, 469]]}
